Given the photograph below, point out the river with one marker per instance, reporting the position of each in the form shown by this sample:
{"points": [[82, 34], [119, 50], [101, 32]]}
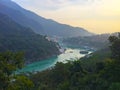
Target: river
{"points": [[69, 54]]}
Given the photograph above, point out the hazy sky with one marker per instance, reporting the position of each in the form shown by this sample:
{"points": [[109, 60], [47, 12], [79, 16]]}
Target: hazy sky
{"points": [[98, 16]]}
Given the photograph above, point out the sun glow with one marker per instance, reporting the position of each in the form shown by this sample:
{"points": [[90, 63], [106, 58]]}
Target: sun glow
{"points": [[98, 16]]}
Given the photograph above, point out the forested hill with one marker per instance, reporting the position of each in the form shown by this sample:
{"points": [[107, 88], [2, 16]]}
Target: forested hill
{"points": [[99, 71], [95, 41], [14, 37]]}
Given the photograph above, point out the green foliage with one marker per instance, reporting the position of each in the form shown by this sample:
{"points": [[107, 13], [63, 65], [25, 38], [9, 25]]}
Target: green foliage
{"points": [[61, 77], [73, 75], [78, 75], [115, 46], [93, 60], [94, 72], [115, 86], [16, 38], [20, 83], [64, 86], [9, 63]]}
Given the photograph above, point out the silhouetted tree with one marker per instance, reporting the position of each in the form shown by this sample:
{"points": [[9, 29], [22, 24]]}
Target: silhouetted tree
{"points": [[115, 46]]}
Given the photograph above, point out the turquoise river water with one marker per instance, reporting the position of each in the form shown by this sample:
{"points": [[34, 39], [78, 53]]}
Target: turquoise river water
{"points": [[69, 54]]}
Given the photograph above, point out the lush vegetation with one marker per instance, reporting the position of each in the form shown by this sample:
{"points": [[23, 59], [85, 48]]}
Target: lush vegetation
{"points": [[76, 76], [9, 63], [97, 71], [89, 62], [15, 38]]}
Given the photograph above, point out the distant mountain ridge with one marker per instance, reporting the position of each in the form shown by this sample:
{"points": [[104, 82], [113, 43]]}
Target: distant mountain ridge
{"points": [[39, 24], [95, 41]]}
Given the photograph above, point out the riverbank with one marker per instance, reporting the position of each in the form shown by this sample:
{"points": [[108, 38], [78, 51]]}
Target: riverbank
{"points": [[69, 55]]}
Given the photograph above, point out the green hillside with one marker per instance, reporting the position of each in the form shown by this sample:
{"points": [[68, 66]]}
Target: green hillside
{"points": [[15, 38], [78, 75]]}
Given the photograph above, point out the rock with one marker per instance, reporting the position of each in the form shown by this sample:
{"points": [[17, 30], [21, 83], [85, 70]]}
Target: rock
{"points": [[83, 52]]}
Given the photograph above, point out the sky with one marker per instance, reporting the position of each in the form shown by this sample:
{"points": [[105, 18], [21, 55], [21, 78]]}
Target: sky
{"points": [[98, 16]]}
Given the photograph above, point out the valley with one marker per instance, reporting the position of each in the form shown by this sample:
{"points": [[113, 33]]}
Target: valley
{"points": [[70, 54], [59, 45]]}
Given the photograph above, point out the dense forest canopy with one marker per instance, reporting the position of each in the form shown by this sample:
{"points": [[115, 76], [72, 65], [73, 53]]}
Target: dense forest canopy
{"points": [[78, 75], [15, 38], [24, 40], [9, 63], [74, 75]]}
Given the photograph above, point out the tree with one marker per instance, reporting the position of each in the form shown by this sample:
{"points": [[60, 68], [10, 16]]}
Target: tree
{"points": [[9, 63], [20, 83], [115, 86], [115, 46], [112, 70]]}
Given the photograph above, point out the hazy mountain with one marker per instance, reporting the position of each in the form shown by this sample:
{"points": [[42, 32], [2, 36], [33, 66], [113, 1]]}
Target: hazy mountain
{"points": [[15, 38], [39, 24], [18, 16], [95, 41]]}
